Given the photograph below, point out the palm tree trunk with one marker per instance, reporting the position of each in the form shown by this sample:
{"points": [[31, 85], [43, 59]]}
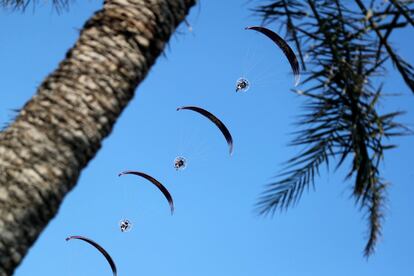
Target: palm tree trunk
{"points": [[62, 127]]}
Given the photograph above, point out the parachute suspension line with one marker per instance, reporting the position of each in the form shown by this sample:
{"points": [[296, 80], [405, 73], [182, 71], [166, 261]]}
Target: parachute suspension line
{"points": [[252, 71], [284, 46], [243, 80], [125, 224], [213, 119], [193, 145], [253, 61], [245, 61], [156, 183]]}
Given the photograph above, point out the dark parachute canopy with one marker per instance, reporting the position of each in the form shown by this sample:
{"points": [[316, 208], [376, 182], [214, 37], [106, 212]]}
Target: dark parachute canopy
{"points": [[100, 249], [215, 120], [161, 187], [290, 55]]}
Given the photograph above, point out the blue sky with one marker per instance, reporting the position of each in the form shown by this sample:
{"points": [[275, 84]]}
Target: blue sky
{"points": [[214, 230]]}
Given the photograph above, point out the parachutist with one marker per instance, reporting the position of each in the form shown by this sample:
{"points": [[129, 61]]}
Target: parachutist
{"points": [[180, 163], [242, 85], [125, 225]]}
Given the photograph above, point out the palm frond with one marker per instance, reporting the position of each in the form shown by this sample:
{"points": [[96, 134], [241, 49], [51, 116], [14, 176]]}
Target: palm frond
{"points": [[347, 50], [22, 5]]}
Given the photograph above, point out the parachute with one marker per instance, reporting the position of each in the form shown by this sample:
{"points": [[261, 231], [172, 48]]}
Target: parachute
{"points": [[290, 55], [100, 249], [216, 121], [161, 187]]}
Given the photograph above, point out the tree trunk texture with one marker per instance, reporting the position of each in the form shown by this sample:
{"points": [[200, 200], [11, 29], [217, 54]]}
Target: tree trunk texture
{"points": [[62, 127]]}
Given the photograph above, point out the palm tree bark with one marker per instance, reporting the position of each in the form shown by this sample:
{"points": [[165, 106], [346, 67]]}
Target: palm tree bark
{"points": [[62, 127]]}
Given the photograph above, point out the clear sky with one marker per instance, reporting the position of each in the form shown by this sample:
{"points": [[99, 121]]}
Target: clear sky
{"points": [[214, 230]]}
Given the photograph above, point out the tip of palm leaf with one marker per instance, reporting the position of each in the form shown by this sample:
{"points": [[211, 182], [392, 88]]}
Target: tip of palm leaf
{"points": [[297, 80]]}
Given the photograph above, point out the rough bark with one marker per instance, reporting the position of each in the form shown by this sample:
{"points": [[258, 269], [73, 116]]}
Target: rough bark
{"points": [[62, 127]]}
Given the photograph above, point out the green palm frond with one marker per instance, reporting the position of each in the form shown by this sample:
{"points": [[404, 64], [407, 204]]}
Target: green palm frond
{"points": [[347, 46]]}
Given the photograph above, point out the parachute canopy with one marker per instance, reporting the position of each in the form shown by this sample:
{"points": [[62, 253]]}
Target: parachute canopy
{"points": [[215, 120], [290, 55], [161, 187], [100, 249]]}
